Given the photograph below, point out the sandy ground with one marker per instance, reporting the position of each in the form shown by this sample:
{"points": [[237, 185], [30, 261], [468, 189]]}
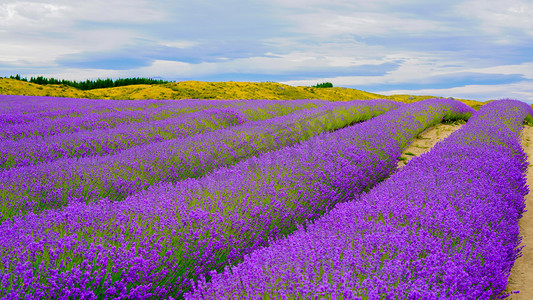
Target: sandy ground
{"points": [[426, 140], [521, 278]]}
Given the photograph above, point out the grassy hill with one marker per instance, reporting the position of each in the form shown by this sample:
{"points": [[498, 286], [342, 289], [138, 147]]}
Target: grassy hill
{"points": [[205, 90]]}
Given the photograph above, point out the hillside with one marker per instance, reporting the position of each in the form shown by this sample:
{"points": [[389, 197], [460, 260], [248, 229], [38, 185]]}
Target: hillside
{"points": [[205, 90]]}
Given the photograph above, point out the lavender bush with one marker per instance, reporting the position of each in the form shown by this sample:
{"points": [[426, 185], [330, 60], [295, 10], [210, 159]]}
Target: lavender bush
{"points": [[87, 119], [445, 226], [52, 185], [16, 109], [156, 243], [27, 109], [33, 150]]}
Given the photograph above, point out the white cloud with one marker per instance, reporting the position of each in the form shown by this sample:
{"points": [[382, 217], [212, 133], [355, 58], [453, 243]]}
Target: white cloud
{"points": [[42, 51], [29, 14], [506, 20], [37, 33], [524, 69], [331, 18], [361, 5], [362, 24], [179, 44], [166, 68], [116, 11], [520, 90], [417, 67], [275, 64]]}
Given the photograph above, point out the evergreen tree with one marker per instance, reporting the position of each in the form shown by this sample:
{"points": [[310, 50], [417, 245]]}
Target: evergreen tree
{"points": [[323, 85], [91, 84]]}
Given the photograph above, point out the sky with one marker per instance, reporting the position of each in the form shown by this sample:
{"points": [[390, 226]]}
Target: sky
{"points": [[472, 49]]}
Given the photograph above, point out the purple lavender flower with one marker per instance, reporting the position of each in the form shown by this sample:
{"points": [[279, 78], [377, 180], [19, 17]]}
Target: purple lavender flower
{"points": [[56, 184], [445, 226], [101, 115], [38, 149], [156, 243]]}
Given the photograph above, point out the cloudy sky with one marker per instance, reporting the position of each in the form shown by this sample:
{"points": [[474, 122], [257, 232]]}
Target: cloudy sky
{"points": [[475, 49]]}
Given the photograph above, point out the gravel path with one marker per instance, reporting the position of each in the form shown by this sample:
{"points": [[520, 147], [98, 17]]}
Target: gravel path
{"points": [[426, 140], [521, 278]]}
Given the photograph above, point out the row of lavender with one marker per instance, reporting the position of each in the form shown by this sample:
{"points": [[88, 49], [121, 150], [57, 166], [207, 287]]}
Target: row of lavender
{"points": [[38, 149], [30, 109], [445, 226], [23, 116], [156, 243], [35, 150], [52, 185], [16, 105], [107, 114], [25, 109]]}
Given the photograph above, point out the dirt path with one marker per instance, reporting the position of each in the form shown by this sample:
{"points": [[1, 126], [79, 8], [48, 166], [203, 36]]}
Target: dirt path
{"points": [[521, 278], [426, 140]]}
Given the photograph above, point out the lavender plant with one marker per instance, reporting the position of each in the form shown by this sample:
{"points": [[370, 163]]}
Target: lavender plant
{"points": [[33, 150], [39, 107], [56, 184], [27, 109], [445, 226], [108, 118], [156, 243]]}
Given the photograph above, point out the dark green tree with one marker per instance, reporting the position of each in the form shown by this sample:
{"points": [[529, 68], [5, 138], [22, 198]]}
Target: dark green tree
{"points": [[323, 85], [91, 84]]}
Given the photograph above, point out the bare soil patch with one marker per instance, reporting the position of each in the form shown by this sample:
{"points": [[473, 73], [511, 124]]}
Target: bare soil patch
{"points": [[426, 140], [521, 278]]}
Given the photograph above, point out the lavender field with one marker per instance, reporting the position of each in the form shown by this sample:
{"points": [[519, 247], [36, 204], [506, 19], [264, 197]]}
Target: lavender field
{"points": [[257, 199]]}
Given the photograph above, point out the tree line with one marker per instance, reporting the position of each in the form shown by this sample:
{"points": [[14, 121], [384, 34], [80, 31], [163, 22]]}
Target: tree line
{"points": [[90, 84], [323, 85]]}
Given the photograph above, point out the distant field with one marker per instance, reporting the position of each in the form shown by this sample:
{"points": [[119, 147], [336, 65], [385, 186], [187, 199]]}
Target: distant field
{"points": [[206, 90]]}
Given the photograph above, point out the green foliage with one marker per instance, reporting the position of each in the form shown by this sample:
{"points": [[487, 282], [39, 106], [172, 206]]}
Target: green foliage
{"points": [[457, 119], [91, 84], [528, 120], [323, 85], [17, 77]]}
